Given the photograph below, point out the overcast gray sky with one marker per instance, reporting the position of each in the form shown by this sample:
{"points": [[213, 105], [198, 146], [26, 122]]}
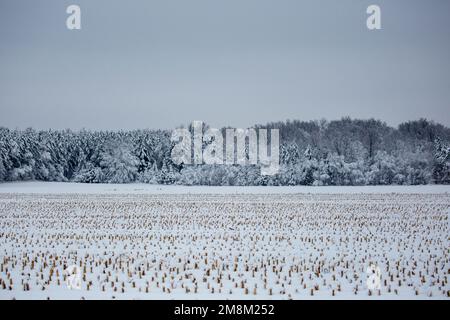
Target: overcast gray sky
{"points": [[162, 63]]}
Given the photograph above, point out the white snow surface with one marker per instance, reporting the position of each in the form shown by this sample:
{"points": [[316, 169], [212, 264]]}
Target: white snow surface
{"points": [[36, 187], [139, 241]]}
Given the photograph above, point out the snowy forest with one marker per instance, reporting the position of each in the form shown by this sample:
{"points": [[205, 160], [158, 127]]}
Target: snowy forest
{"points": [[341, 152]]}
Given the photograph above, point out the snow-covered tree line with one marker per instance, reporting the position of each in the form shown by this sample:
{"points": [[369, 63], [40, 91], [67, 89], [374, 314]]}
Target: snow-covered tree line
{"points": [[342, 152]]}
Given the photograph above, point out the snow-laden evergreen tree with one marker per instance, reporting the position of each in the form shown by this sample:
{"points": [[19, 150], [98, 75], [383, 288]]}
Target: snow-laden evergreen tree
{"points": [[289, 153], [441, 167], [383, 169], [2, 169], [341, 152], [150, 174], [164, 176], [308, 153], [119, 165], [90, 174], [3, 155], [189, 176]]}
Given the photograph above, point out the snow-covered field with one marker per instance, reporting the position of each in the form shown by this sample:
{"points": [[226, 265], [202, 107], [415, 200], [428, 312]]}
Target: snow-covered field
{"points": [[168, 242], [136, 188]]}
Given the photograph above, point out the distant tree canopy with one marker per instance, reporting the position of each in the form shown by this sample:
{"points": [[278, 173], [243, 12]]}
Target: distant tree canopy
{"points": [[341, 152]]}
